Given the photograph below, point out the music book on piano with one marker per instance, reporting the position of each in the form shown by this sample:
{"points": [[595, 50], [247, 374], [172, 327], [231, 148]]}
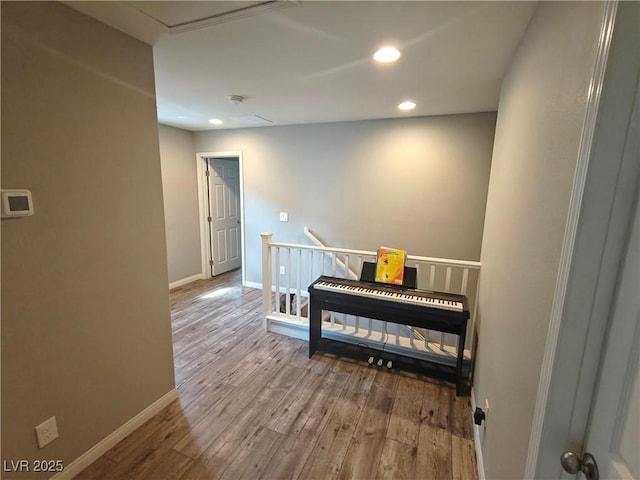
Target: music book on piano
{"points": [[390, 265]]}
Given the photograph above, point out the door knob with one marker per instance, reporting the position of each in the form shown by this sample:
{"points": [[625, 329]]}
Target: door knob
{"points": [[571, 463]]}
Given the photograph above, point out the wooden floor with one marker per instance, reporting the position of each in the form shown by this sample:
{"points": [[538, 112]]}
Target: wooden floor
{"points": [[252, 405]]}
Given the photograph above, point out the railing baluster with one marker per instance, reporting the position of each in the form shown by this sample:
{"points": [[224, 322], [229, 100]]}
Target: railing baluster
{"points": [[266, 276], [333, 273], [322, 261], [277, 275], [447, 282], [432, 277], [465, 279], [288, 275], [299, 282], [310, 267], [346, 266]]}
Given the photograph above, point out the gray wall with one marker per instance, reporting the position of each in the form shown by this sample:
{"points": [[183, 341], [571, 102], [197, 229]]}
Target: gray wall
{"points": [[542, 110], [417, 183], [180, 189], [85, 311]]}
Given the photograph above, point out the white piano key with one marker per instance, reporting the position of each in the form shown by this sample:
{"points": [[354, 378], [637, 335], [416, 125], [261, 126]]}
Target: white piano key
{"points": [[404, 297]]}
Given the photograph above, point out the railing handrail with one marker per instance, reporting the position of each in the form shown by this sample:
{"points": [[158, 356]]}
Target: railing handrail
{"points": [[447, 262], [339, 261], [313, 237]]}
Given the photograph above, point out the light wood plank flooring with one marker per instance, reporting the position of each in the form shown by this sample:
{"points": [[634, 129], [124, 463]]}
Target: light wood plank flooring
{"points": [[252, 405]]}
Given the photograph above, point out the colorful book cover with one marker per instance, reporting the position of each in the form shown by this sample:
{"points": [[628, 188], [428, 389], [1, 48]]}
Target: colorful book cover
{"points": [[390, 265]]}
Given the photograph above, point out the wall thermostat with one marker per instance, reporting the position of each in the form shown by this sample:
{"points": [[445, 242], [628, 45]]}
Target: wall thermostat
{"points": [[16, 203]]}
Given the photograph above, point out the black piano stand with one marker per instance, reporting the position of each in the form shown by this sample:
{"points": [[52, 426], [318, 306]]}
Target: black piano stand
{"points": [[442, 321]]}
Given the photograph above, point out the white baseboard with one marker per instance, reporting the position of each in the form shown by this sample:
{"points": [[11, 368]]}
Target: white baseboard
{"points": [[476, 440], [289, 328], [184, 281], [102, 447], [283, 289]]}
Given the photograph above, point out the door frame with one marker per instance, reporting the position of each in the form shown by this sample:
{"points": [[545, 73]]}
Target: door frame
{"points": [[603, 197], [205, 254]]}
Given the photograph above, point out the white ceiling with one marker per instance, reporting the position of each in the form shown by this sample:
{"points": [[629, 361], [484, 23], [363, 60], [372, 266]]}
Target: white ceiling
{"points": [[310, 61]]}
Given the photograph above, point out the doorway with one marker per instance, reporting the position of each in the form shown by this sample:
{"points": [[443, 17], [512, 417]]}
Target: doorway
{"points": [[221, 212]]}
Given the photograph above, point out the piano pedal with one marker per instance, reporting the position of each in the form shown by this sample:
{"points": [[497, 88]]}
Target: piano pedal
{"points": [[380, 362], [371, 360], [389, 364]]}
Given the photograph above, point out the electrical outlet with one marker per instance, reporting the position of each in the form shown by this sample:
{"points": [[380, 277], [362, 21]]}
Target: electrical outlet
{"points": [[283, 270], [47, 432], [284, 217]]}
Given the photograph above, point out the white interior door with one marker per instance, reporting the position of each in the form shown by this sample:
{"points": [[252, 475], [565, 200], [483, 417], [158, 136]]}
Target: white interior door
{"points": [[224, 214], [614, 427], [589, 376]]}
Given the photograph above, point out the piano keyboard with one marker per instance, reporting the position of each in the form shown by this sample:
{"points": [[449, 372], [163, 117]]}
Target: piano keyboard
{"points": [[404, 296]]}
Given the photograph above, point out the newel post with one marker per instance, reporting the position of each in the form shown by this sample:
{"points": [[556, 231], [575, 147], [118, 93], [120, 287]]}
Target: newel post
{"points": [[266, 275]]}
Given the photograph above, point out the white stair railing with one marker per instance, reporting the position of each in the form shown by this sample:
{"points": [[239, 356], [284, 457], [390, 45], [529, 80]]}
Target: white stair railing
{"points": [[349, 273], [304, 263]]}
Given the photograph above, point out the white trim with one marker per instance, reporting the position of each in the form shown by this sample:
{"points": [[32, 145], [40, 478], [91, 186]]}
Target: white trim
{"points": [[288, 327], [243, 271], [204, 251], [184, 281], [476, 439], [283, 289], [571, 229], [102, 447]]}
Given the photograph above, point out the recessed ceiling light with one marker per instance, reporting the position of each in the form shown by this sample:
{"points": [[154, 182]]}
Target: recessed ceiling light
{"points": [[387, 55], [407, 106], [215, 121]]}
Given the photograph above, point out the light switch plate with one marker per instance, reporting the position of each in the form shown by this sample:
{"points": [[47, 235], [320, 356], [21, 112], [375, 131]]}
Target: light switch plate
{"points": [[284, 217]]}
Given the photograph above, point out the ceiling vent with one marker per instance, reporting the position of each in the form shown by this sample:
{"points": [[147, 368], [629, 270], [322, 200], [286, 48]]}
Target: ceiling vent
{"points": [[236, 99]]}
